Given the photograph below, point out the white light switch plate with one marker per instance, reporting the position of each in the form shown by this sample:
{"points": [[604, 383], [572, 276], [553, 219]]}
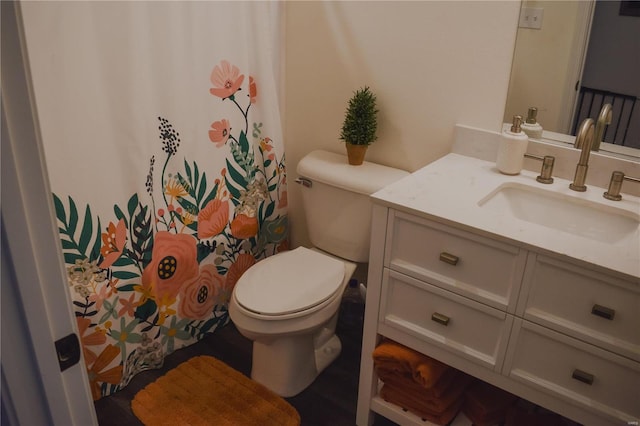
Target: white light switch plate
{"points": [[531, 17]]}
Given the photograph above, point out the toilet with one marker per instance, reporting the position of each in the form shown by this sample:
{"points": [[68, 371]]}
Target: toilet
{"points": [[287, 304]]}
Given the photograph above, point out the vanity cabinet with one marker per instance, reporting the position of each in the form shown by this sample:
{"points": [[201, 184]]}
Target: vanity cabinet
{"points": [[559, 333]]}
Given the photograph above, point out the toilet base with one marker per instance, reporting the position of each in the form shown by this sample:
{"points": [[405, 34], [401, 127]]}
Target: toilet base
{"points": [[288, 365]]}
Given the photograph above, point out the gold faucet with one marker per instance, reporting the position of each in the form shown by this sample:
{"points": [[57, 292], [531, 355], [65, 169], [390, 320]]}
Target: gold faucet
{"points": [[604, 119], [584, 140]]}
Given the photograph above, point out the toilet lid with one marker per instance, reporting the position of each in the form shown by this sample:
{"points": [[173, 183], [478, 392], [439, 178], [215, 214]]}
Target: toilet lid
{"points": [[289, 282]]}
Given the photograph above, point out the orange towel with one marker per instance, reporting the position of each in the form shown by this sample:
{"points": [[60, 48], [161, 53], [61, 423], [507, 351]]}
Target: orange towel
{"points": [[394, 357], [435, 391], [411, 394], [487, 405], [398, 397]]}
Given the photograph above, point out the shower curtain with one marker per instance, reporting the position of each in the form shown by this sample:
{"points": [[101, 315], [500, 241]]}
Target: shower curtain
{"points": [[161, 128]]}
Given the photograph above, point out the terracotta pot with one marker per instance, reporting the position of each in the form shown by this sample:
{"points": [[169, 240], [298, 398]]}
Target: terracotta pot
{"points": [[356, 153]]}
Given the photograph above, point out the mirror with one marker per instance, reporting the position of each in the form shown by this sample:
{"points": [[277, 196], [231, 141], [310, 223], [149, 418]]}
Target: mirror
{"points": [[551, 64]]}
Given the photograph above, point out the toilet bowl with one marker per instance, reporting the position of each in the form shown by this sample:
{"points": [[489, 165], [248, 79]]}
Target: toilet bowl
{"points": [[288, 305]]}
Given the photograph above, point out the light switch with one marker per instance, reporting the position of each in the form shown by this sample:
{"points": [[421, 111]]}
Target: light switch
{"points": [[531, 17]]}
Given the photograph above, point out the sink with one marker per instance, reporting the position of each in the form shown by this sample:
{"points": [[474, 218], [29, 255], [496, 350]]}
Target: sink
{"points": [[562, 212]]}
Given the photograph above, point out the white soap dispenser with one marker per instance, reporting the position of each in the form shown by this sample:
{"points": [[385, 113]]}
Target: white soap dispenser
{"points": [[512, 147], [531, 127]]}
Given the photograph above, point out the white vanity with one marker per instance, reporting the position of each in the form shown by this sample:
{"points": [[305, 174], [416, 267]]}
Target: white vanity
{"points": [[506, 279]]}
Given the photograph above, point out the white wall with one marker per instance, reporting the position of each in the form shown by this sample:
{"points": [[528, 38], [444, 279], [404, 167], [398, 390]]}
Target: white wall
{"points": [[432, 64]]}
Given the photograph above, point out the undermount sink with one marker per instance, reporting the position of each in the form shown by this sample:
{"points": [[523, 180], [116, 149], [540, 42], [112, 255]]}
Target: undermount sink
{"points": [[586, 218]]}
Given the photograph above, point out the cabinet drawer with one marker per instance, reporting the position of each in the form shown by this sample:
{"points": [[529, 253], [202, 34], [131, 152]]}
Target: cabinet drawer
{"points": [[595, 379], [593, 307], [481, 269], [472, 330]]}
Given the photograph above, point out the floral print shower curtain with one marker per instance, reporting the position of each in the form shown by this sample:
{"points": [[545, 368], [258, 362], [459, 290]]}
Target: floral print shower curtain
{"points": [[184, 190]]}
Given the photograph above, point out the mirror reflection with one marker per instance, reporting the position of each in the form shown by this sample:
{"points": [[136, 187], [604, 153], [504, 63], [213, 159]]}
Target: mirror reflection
{"points": [[573, 59]]}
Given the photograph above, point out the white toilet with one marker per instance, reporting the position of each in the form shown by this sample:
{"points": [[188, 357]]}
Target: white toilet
{"points": [[288, 303]]}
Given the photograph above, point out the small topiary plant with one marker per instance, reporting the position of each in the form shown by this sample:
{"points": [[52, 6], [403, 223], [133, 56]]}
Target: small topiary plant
{"points": [[361, 121]]}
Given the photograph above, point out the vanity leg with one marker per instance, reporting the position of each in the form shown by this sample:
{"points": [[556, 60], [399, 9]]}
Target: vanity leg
{"points": [[368, 386]]}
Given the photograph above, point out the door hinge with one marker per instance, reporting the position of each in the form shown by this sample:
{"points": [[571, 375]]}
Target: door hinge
{"points": [[68, 351]]}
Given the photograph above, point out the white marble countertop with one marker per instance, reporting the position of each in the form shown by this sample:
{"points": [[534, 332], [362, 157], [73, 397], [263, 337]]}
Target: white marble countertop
{"points": [[449, 191]]}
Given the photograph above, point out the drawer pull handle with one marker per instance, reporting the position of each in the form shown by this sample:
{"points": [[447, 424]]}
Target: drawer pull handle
{"points": [[582, 376], [449, 258], [440, 319], [603, 311]]}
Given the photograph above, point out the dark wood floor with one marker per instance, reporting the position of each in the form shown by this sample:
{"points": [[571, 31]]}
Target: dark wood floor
{"points": [[330, 401]]}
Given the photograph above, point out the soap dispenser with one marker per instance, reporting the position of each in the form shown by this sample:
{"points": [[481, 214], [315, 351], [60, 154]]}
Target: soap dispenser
{"points": [[531, 127], [512, 147]]}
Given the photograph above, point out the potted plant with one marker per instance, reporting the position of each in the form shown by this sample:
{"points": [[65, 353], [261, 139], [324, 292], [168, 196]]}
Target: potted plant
{"points": [[360, 125]]}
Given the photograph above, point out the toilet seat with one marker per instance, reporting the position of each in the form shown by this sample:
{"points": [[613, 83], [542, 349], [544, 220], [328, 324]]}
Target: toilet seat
{"points": [[307, 278]]}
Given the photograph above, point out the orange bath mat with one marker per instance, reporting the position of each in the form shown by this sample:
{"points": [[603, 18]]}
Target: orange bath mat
{"points": [[205, 391]]}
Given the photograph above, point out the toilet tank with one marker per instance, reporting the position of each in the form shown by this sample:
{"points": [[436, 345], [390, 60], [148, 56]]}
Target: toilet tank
{"points": [[335, 198]]}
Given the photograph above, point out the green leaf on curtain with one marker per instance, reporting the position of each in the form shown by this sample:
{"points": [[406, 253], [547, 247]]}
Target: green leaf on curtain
{"points": [[95, 252], [123, 261], [196, 175], [144, 311], [87, 231], [202, 190], [208, 325], [243, 158], [83, 305], [142, 231], [187, 169], [267, 162], [132, 204], [60, 213], [211, 195], [73, 217], [244, 143], [127, 287], [120, 215], [270, 208], [125, 275], [68, 245], [187, 205], [186, 184], [204, 250], [70, 258], [237, 178]]}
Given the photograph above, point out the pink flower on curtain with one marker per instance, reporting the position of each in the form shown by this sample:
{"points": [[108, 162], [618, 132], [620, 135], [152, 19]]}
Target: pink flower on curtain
{"points": [[213, 218], [100, 296], [113, 242], [227, 80], [244, 226], [219, 132], [197, 296], [174, 261], [253, 90], [127, 306]]}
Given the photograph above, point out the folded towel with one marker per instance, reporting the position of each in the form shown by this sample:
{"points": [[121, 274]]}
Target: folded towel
{"points": [[435, 391], [398, 397], [413, 393], [394, 357], [487, 405]]}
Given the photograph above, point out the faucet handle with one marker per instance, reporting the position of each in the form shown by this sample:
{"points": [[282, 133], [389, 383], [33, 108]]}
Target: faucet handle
{"points": [[547, 167], [615, 185]]}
